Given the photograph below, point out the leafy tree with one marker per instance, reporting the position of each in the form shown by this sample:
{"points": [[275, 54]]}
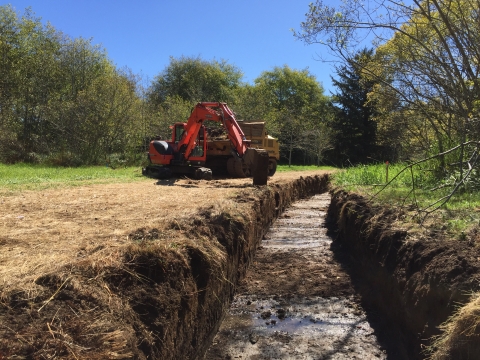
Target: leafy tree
{"points": [[429, 51], [297, 101], [253, 103], [194, 80], [61, 99]]}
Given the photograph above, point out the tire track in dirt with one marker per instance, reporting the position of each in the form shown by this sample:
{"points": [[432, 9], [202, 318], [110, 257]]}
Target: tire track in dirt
{"points": [[296, 301]]}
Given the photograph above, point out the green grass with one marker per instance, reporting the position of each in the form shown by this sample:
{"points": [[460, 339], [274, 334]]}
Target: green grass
{"points": [[413, 192], [284, 168], [37, 177]]}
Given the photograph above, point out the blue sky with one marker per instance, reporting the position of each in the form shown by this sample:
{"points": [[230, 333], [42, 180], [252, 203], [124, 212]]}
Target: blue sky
{"points": [[253, 35]]}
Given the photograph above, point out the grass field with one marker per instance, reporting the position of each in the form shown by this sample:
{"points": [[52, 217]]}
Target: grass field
{"points": [[417, 192], [37, 177], [284, 168]]}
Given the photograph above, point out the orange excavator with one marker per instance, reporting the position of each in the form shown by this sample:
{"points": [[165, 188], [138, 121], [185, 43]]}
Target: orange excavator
{"points": [[186, 153]]}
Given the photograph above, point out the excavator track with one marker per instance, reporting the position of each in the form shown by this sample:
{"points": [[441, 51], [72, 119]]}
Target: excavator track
{"points": [[231, 167]]}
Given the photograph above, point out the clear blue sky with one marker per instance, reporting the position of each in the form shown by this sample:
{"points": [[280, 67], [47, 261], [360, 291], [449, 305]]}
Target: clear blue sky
{"points": [[253, 35]]}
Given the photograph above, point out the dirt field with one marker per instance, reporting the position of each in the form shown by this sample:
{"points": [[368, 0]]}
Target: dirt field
{"points": [[147, 270], [42, 230], [73, 258]]}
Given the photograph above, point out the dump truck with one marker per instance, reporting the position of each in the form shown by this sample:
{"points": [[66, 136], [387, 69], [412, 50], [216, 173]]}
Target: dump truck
{"points": [[219, 150]]}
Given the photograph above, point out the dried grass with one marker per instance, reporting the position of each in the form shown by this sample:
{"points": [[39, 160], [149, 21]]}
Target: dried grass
{"points": [[461, 334], [42, 231], [78, 243]]}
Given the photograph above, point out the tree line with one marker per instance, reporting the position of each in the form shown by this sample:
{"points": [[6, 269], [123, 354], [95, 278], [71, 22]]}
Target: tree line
{"points": [[63, 101]]}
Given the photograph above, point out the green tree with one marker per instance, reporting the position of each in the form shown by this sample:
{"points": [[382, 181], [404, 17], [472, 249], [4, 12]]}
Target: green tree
{"points": [[297, 104], [194, 80], [61, 99], [429, 50], [9, 82], [353, 125]]}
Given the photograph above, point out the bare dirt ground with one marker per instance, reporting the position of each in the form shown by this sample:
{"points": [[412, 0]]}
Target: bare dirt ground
{"points": [[127, 271], [296, 302], [43, 230]]}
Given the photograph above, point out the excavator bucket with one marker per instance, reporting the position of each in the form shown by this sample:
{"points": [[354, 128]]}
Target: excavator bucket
{"points": [[257, 160]]}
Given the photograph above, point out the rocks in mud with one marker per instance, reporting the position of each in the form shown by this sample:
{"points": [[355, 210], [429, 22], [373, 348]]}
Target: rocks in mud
{"points": [[281, 313], [266, 314], [253, 338]]}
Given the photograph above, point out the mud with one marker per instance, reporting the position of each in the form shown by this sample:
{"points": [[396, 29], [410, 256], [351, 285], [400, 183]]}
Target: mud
{"points": [[296, 302]]}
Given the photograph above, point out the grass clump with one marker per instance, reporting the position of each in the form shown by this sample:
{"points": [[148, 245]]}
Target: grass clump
{"points": [[461, 334], [418, 192]]}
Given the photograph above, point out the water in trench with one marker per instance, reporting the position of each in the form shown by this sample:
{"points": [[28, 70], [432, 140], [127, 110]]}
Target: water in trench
{"points": [[296, 302]]}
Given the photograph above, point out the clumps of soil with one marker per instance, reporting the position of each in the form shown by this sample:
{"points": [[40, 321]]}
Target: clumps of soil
{"points": [[70, 316], [144, 234], [415, 284], [266, 314], [281, 313]]}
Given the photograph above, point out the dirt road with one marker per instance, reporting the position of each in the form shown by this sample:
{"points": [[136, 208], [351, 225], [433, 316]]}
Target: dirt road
{"points": [[296, 301]]}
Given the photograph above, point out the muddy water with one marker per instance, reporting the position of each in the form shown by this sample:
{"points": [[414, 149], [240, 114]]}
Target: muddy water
{"points": [[296, 301]]}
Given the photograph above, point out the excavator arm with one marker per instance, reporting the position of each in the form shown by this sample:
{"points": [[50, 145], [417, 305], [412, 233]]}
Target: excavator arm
{"points": [[213, 111]]}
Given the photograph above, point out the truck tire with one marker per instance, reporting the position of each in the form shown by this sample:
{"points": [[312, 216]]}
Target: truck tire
{"points": [[242, 170], [236, 168], [272, 166]]}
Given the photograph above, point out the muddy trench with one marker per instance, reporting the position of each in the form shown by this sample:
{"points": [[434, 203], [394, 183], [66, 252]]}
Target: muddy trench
{"points": [[297, 301], [335, 280]]}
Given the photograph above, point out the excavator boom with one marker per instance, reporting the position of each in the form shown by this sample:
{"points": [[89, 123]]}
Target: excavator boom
{"points": [[213, 111]]}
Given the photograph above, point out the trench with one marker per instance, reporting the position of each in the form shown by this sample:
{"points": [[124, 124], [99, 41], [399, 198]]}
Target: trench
{"points": [[297, 300], [319, 279]]}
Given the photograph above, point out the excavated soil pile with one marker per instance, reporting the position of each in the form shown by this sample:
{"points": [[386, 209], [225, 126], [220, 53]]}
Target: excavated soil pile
{"points": [[162, 295], [416, 285]]}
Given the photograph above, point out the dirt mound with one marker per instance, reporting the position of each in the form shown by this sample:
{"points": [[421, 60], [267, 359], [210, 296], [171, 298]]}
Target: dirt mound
{"points": [[160, 295], [415, 284]]}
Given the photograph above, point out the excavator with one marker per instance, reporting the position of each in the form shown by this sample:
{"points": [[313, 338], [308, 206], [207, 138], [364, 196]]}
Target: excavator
{"points": [[186, 152]]}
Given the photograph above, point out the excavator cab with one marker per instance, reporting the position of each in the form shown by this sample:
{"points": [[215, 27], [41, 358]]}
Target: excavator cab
{"points": [[198, 154]]}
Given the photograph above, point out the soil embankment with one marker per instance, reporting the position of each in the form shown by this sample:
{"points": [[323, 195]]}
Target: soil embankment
{"points": [[415, 285], [158, 291]]}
